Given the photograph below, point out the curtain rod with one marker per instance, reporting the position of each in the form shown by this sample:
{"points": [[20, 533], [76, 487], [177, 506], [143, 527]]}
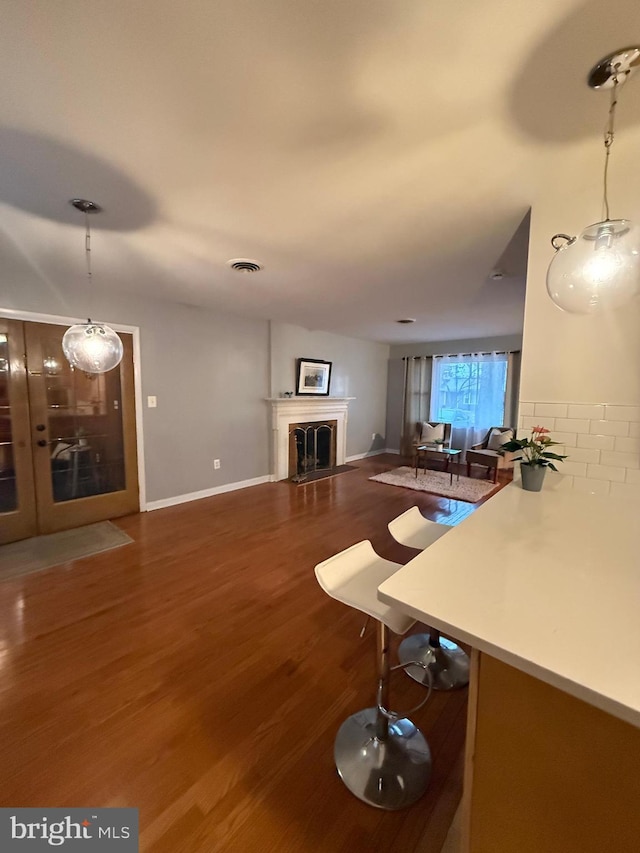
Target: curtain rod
{"points": [[453, 354]]}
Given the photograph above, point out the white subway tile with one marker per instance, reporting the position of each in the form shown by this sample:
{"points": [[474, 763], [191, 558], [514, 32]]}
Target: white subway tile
{"points": [[579, 425], [634, 430], [610, 427], [586, 410], [597, 442], [529, 422], [625, 490], [568, 439], [622, 413], [575, 469], [527, 409], [620, 460], [593, 487], [627, 445], [633, 476], [550, 410], [606, 472], [580, 454]]}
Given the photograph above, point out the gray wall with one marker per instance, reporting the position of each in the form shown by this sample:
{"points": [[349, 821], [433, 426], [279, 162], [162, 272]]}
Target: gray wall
{"points": [[209, 371], [359, 370], [396, 371]]}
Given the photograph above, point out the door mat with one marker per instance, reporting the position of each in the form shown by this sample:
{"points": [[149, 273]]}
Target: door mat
{"points": [[43, 552], [438, 483]]}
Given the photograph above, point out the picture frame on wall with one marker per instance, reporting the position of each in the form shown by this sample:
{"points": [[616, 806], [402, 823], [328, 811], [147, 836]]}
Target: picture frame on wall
{"points": [[313, 377]]}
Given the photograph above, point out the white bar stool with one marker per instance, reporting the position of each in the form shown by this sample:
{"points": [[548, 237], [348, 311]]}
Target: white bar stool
{"points": [[446, 662], [380, 756]]}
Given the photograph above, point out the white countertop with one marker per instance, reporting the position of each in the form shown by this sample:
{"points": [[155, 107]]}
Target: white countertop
{"points": [[548, 582]]}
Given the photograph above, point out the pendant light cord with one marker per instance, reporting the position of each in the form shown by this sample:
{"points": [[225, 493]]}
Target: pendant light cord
{"points": [[87, 248], [608, 142]]}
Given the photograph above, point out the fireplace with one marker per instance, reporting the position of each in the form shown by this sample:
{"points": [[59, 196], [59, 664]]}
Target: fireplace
{"points": [[312, 447], [289, 412]]}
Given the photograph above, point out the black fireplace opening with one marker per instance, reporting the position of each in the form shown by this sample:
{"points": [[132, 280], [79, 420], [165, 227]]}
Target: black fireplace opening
{"points": [[313, 448]]}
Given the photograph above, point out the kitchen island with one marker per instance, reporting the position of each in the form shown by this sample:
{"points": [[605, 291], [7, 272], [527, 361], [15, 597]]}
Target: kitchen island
{"points": [[545, 588]]}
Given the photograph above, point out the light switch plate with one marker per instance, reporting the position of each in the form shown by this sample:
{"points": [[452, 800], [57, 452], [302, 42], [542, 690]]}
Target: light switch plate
{"points": [[152, 402]]}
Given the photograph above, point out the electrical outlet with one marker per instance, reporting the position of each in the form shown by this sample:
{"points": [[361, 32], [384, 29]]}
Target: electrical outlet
{"points": [[373, 436], [216, 463], [152, 402]]}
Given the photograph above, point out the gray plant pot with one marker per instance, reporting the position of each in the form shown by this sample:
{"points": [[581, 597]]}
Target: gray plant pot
{"points": [[532, 477]]}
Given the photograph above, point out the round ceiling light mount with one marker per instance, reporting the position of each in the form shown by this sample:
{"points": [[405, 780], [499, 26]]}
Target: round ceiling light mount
{"points": [[245, 265], [85, 206], [406, 321], [496, 275], [614, 69]]}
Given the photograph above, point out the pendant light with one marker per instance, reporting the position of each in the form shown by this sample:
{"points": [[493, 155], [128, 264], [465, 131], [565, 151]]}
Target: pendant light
{"points": [[91, 347], [600, 268]]}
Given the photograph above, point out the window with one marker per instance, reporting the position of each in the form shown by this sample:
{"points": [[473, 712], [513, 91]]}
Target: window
{"points": [[469, 390]]}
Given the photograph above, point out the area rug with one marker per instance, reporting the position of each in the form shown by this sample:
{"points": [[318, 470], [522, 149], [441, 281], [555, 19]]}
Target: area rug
{"points": [[43, 552], [437, 483]]}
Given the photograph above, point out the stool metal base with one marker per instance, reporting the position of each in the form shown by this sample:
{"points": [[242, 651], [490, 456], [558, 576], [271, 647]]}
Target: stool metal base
{"points": [[447, 663], [389, 774]]}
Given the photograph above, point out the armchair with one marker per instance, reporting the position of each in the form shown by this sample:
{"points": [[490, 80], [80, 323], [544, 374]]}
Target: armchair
{"points": [[487, 451], [427, 432]]}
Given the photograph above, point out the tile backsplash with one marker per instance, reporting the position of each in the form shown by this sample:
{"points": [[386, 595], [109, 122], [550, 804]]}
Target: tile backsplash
{"points": [[601, 440]]}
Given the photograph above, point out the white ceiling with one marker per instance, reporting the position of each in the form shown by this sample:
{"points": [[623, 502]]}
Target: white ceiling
{"points": [[376, 156]]}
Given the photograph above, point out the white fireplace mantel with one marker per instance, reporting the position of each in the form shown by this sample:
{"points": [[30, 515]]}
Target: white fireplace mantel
{"points": [[292, 410]]}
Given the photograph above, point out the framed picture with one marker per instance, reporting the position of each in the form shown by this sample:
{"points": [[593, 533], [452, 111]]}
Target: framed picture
{"points": [[314, 377]]}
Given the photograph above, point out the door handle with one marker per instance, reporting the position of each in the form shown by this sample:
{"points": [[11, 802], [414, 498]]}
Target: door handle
{"points": [[42, 442], [40, 427]]}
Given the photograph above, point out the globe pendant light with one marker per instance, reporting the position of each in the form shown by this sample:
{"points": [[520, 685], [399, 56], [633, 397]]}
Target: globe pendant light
{"points": [[91, 347], [600, 268]]}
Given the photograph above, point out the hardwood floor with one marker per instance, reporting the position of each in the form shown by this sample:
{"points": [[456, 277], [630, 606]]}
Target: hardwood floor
{"points": [[200, 674]]}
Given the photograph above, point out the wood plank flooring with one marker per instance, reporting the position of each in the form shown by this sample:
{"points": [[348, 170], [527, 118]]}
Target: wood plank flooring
{"points": [[200, 674]]}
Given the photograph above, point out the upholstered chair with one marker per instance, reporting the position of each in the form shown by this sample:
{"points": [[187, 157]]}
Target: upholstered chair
{"points": [[430, 432], [487, 452]]}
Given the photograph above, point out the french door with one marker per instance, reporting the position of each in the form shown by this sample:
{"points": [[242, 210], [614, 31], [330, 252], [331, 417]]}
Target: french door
{"points": [[67, 438]]}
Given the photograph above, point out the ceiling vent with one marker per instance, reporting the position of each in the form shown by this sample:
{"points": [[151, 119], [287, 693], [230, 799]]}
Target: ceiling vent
{"points": [[244, 265]]}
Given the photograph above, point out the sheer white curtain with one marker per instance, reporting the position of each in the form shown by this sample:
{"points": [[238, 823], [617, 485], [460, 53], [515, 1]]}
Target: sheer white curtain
{"points": [[469, 391], [417, 398]]}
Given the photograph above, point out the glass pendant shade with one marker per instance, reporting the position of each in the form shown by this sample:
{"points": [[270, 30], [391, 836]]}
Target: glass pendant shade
{"points": [[597, 271], [92, 347]]}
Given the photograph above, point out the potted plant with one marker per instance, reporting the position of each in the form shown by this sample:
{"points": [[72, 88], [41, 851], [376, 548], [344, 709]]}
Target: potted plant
{"points": [[535, 457]]}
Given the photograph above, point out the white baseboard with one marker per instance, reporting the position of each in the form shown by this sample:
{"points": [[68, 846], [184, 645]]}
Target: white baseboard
{"points": [[206, 493], [367, 454]]}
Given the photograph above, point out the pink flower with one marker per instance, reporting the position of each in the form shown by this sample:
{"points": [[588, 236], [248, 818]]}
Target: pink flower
{"points": [[540, 430]]}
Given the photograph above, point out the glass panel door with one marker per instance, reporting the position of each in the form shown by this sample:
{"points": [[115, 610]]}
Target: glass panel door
{"points": [[8, 485], [84, 430], [17, 499], [84, 427]]}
